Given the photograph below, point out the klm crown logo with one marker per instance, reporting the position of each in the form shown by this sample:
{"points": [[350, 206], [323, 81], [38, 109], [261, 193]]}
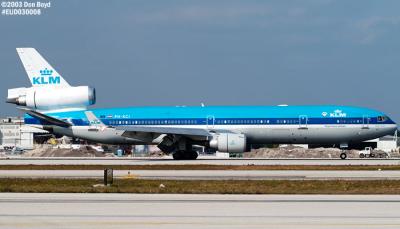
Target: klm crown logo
{"points": [[46, 72], [46, 77]]}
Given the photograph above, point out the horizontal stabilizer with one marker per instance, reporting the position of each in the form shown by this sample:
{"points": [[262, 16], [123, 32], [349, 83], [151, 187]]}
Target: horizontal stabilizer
{"points": [[46, 118]]}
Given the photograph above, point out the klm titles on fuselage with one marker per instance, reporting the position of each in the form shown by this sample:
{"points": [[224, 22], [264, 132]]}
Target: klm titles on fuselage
{"points": [[46, 78], [335, 114]]}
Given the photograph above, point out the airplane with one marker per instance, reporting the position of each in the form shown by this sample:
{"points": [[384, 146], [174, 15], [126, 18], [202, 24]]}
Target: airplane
{"points": [[54, 105]]}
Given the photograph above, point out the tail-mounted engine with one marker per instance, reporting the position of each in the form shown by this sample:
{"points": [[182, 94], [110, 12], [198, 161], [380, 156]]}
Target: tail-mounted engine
{"points": [[45, 98]]}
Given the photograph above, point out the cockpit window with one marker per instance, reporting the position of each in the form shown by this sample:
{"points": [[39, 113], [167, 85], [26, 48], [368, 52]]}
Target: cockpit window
{"points": [[382, 118]]}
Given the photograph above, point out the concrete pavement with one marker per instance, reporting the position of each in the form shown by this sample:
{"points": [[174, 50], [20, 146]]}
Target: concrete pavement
{"points": [[49, 210]]}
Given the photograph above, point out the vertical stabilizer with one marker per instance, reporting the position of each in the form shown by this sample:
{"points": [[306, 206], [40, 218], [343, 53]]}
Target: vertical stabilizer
{"points": [[39, 71]]}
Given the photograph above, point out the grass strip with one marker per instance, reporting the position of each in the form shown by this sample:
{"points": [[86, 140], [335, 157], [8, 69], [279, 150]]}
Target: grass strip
{"points": [[200, 167], [201, 187]]}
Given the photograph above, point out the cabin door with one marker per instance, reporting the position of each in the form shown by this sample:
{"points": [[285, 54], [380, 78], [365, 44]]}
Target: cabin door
{"points": [[303, 121], [365, 122], [210, 121]]}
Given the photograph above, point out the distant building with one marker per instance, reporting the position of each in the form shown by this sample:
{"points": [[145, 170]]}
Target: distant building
{"points": [[387, 143], [14, 133]]}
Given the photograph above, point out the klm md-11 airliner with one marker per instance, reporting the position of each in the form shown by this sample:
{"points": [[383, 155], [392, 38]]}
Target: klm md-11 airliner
{"points": [[52, 104]]}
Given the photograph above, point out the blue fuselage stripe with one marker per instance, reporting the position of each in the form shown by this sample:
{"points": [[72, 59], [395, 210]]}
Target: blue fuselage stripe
{"points": [[223, 121], [225, 115]]}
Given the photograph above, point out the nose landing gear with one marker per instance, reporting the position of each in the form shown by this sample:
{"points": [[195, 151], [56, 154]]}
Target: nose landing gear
{"points": [[343, 147], [343, 155]]}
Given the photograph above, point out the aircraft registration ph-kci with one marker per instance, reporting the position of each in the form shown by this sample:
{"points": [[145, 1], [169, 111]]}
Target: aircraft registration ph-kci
{"points": [[52, 104]]}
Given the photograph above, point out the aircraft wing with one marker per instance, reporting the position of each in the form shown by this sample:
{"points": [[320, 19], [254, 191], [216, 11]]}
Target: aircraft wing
{"points": [[129, 130], [165, 130]]}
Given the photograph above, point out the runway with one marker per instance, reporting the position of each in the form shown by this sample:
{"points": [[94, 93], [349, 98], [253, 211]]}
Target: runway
{"points": [[202, 160], [49, 210], [211, 174]]}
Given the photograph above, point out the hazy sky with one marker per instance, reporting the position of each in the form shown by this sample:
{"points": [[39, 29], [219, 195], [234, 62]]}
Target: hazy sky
{"points": [[145, 53]]}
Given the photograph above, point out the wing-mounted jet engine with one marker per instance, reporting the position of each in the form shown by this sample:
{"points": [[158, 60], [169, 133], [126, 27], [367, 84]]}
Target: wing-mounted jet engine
{"points": [[49, 90]]}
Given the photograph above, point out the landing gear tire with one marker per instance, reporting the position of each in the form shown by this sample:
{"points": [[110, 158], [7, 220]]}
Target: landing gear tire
{"points": [[177, 156], [185, 155], [343, 156], [192, 155]]}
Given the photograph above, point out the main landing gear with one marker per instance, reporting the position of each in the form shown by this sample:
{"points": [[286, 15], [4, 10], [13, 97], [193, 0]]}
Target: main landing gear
{"points": [[185, 155]]}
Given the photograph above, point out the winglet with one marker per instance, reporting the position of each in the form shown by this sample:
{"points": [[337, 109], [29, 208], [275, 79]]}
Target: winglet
{"points": [[93, 120]]}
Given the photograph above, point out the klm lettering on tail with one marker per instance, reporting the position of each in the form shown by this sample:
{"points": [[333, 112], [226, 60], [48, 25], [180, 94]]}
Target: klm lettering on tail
{"points": [[46, 78]]}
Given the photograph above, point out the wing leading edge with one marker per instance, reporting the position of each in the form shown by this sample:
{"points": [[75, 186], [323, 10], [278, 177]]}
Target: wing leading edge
{"points": [[128, 130], [165, 130]]}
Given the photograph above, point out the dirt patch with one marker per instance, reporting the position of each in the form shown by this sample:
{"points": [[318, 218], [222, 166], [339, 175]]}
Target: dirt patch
{"points": [[50, 151], [299, 152], [200, 187]]}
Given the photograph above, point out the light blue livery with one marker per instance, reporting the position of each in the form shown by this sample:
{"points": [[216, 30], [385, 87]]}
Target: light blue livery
{"points": [[175, 130]]}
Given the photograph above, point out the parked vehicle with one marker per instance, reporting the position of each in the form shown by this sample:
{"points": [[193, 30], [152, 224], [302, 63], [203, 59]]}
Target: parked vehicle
{"points": [[17, 150], [368, 152]]}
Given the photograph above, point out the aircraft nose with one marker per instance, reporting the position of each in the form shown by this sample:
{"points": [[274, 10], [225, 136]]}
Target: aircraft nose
{"points": [[391, 129]]}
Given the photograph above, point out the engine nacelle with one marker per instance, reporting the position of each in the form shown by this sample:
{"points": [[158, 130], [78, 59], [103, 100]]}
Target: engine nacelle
{"points": [[228, 142], [44, 98]]}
